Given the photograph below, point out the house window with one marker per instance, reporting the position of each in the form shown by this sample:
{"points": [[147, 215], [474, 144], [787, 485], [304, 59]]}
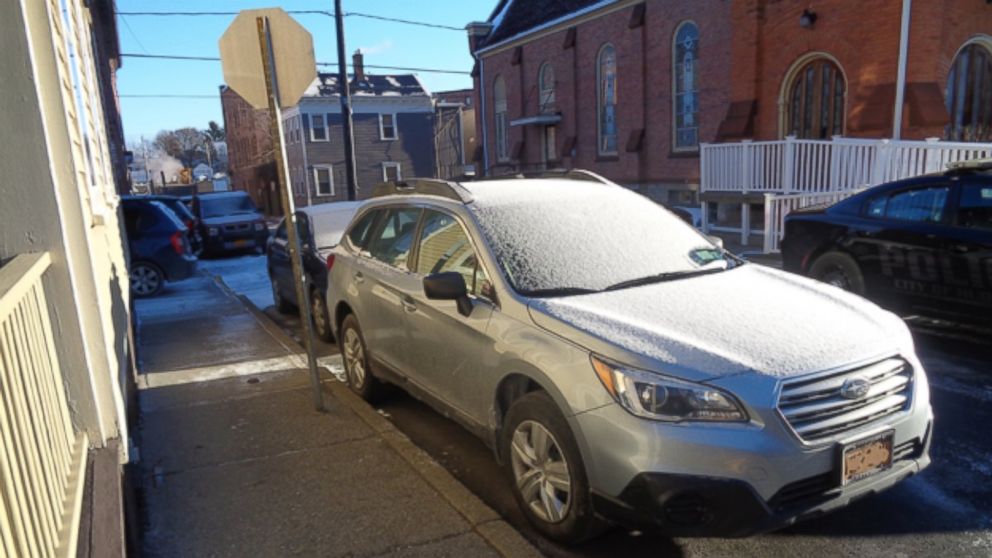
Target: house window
{"points": [[969, 94], [387, 127], [392, 172], [816, 101], [685, 66], [606, 73], [499, 106], [546, 82], [318, 128], [323, 177]]}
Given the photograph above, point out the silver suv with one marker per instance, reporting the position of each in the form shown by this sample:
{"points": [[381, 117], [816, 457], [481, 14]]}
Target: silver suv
{"points": [[622, 365]]}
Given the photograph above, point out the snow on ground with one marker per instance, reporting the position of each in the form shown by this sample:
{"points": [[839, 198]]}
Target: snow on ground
{"points": [[245, 275]]}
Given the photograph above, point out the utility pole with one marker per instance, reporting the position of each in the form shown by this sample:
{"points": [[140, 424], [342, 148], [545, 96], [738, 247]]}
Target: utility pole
{"points": [[346, 110]]}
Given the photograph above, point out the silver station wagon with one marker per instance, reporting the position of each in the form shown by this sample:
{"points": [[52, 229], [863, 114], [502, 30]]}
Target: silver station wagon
{"points": [[623, 366]]}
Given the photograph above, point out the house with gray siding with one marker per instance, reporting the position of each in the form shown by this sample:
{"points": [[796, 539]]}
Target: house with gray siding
{"points": [[394, 134]]}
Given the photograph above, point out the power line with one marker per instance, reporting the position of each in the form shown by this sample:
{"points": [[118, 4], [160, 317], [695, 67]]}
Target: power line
{"points": [[305, 12], [374, 66], [134, 35]]}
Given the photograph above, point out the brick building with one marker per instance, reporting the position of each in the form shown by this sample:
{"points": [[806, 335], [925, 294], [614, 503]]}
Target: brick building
{"points": [[631, 88], [393, 124], [251, 162]]}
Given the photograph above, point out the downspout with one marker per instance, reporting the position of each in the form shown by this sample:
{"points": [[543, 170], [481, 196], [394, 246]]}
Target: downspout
{"points": [[306, 161], [485, 115], [907, 8]]}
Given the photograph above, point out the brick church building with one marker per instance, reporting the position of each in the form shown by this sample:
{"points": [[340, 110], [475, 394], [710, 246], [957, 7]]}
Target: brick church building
{"points": [[631, 88]]}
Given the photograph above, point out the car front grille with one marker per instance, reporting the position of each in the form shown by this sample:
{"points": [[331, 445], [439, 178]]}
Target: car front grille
{"points": [[816, 409], [238, 228]]}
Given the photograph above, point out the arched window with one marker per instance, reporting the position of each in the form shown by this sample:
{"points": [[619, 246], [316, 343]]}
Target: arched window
{"points": [[685, 69], [499, 107], [815, 101], [546, 87], [606, 73], [969, 94]]}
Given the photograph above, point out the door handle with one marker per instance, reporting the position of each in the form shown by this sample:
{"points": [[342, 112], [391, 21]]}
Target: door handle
{"points": [[409, 304], [359, 277]]}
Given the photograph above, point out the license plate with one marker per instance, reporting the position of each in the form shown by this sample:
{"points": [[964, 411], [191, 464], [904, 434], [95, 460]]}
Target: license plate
{"points": [[864, 458], [242, 243]]}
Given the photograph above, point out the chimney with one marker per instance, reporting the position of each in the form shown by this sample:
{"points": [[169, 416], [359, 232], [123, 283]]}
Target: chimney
{"points": [[358, 63]]}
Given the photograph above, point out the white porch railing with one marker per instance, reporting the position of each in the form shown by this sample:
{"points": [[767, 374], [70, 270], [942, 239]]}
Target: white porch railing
{"points": [[798, 166], [42, 459], [778, 206]]}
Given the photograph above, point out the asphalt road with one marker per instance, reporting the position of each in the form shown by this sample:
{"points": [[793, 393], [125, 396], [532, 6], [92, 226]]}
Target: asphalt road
{"points": [[946, 511]]}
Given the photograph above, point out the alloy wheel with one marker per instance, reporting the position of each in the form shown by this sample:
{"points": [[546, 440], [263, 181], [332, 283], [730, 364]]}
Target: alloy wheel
{"points": [[835, 276], [354, 357], [145, 280], [541, 472]]}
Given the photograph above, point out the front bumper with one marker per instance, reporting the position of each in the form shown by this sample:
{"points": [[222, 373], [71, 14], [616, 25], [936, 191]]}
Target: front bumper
{"points": [[689, 506]]}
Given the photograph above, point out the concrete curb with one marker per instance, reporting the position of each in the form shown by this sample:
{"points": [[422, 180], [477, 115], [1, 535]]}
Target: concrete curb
{"points": [[483, 519]]}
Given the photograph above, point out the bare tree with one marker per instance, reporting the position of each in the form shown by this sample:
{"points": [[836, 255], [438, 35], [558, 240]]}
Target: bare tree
{"points": [[186, 144]]}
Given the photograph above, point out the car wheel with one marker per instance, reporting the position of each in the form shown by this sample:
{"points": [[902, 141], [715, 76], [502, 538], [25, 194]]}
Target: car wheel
{"points": [[318, 310], [146, 279], [839, 270], [546, 470], [281, 304], [356, 361]]}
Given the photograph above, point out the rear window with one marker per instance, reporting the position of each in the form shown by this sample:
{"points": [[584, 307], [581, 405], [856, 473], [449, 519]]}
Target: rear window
{"points": [[358, 236], [328, 228]]}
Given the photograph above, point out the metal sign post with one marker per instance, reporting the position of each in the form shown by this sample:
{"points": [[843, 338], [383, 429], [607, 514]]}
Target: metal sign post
{"points": [[256, 79], [288, 204]]}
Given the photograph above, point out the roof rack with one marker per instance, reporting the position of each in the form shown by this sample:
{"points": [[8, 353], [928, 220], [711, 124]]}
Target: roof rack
{"points": [[971, 165], [572, 174], [423, 187]]}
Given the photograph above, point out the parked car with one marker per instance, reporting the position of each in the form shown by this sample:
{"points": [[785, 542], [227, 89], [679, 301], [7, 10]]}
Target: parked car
{"points": [[181, 210], [158, 244], [320, 228], [229, 221], [691, 215], [922, 245], [621, 365]]}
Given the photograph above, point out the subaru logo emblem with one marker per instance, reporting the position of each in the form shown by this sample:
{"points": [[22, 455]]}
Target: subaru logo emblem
{"points": [[855, 388]]}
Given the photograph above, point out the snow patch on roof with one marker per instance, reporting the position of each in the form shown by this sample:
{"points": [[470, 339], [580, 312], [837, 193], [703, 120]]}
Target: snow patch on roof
{"points": [[498, 19]]}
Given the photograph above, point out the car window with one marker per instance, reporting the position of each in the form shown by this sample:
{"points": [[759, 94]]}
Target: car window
{"points": [[445, 246], [131, 215], [358, 236], [921, 204], [226, 205], [975, 207], [147, 219], [394, 238], [876, 206]]}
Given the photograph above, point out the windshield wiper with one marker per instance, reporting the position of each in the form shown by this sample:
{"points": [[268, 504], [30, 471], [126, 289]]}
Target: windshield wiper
{"points": [[560, 291], [662, 277]]}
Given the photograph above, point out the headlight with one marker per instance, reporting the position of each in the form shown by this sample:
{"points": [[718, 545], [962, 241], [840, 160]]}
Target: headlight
{"points": [[657, 397], [259, 227], [212, 231]]}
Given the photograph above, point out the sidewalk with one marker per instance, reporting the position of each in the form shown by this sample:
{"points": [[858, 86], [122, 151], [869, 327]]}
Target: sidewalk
{"points": [[236, 462]]}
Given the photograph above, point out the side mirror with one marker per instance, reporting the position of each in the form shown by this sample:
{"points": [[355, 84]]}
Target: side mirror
{"points": [[449, 285], [716, 240]]}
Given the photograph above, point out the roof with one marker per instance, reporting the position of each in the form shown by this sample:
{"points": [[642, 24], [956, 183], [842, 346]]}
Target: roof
{"points": [[399, 85], [492, 190], [512, 17]]}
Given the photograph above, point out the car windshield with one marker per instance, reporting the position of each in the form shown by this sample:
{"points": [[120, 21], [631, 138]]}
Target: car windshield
{"points": [[571, 237], [226, 205]]}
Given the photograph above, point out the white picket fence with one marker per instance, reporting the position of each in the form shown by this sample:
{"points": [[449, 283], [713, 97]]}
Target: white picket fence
{"points": [[794, 173], [42, 457], [796, 166]]}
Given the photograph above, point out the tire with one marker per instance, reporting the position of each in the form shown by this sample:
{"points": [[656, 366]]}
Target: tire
{"points": [[356, 360], [281, 304], [147, 279], [840, 270], [321, 320], [560, 509]]}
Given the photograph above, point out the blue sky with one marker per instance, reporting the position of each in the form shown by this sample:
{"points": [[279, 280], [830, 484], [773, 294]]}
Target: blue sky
{"points": [[384, 43]]}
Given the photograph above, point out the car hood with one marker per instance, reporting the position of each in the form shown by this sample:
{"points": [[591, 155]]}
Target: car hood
{"points": [[232, 219], [750, 318]]}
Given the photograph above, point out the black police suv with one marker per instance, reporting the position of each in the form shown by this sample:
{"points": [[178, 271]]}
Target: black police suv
{"points": [[229, 221], [921, 245]]}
